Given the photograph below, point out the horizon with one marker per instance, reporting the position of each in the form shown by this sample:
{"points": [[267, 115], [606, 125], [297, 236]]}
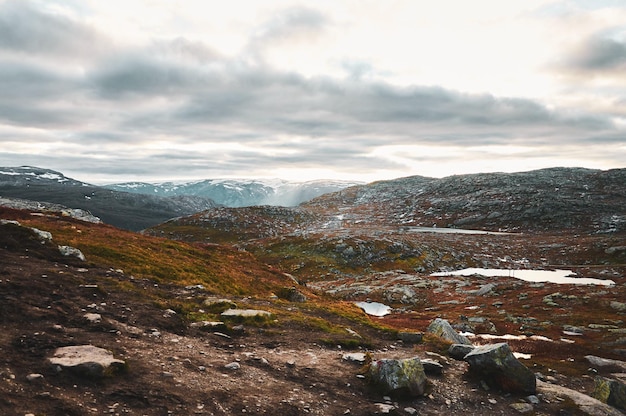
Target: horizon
{"points": [[345, 90], [269, 179]]}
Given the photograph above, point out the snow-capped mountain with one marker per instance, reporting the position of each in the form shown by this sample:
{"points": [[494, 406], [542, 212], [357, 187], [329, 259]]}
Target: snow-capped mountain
{"points": [[122, 209], [240, 192]]}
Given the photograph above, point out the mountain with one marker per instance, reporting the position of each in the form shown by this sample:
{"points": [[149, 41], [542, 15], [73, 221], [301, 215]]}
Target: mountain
{"points": [[122, 209], [569, 199], [240, 192]]}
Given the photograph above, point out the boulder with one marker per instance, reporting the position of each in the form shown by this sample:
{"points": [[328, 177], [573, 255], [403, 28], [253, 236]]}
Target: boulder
{"points": [[432, 367], [586, 404], [443, 329], [87, 360], [69, 251], [499, 368], [611, 391], [459, 351], [399, 377], [410, 337]]}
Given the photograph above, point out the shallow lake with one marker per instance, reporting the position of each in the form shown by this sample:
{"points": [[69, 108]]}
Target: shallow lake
{"points": [[374, 308], [547, 276]]}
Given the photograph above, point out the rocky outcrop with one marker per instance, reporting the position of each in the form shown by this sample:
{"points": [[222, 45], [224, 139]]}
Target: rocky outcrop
{"points": [[459, 351], [398, 377], [497, 366], [443, 329], [86, 360]]}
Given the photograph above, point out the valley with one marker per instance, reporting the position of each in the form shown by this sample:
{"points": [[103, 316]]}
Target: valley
{"points": [[160, 294]]}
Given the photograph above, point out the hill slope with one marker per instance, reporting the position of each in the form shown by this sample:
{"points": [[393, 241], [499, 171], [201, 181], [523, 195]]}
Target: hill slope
{"points": [[122, 209]]}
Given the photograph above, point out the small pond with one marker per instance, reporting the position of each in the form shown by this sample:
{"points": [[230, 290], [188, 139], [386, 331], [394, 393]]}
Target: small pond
{"points": [[374, 308], [549, 276]]}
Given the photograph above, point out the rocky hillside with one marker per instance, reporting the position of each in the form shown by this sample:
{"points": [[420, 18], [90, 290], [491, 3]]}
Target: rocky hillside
{"points": [[122, 209], [97, 320], [240, 193], [570, 199]]}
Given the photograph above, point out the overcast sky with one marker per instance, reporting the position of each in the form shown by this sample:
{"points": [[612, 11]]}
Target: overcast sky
{"points": [[117, 90]]}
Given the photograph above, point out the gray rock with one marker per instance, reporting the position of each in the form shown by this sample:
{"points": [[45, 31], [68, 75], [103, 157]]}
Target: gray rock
{"points": [[443, 329], [93, 318], [432, 367], [68, 251], [618, 306], [459, 351], [523, 408], [246, 313], [410, 337], [355, 357], [233, 366], [587, 404], [87, 360], [401, 377], [606, 364], [500, 369], [611, 391]]}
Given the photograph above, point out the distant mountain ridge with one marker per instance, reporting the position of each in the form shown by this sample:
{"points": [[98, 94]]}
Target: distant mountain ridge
{"points": [[587, 200], [240, 192], [121, 209]]}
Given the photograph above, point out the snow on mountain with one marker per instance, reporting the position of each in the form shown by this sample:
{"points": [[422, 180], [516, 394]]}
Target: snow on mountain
{"points": [[240, 192]]}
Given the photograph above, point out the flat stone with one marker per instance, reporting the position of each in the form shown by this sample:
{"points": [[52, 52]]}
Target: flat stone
{"points": [[87, 360], [523, 408], [354, 357], [247, 313]]}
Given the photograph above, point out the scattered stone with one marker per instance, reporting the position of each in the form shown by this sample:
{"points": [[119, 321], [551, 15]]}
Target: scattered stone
{"points": [[169, 313], [384, 408], [432, 367], [43, 235], [410, 337], [233, 366], [500, 369], [611, 391], [410, 410], [523, 408], [355, 357], [209, 325], [246, 313], [606, 364], [532, 399], [400, 377], [618, 306], [443, 329], [68, 251], [87, 360], [93, 318], [218, 304], [34, 377], [459, 351], [292, 294]]}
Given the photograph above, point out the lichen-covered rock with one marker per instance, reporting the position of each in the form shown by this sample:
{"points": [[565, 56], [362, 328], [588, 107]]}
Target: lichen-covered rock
{"points": [[86, 360], [459, 351], [499, 368], [611, 391], [399, 377], [443, 329]]}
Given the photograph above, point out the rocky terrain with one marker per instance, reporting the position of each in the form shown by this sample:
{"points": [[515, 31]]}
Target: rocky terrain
{"points": [[262, 310]]}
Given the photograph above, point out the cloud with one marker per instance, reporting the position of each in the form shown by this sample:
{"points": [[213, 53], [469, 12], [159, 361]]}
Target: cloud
{"points": [[25, 29], [598, 55]]}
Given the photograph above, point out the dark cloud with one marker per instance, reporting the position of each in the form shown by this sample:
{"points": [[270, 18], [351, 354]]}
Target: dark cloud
{"points": [[29, 30], [599, 55]]}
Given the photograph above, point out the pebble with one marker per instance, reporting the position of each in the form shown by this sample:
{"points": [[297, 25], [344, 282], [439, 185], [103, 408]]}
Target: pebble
{"points": [[233, 366]]}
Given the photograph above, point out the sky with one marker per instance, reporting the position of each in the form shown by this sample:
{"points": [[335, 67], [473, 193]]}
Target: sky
{"points": [[359, 90]]}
